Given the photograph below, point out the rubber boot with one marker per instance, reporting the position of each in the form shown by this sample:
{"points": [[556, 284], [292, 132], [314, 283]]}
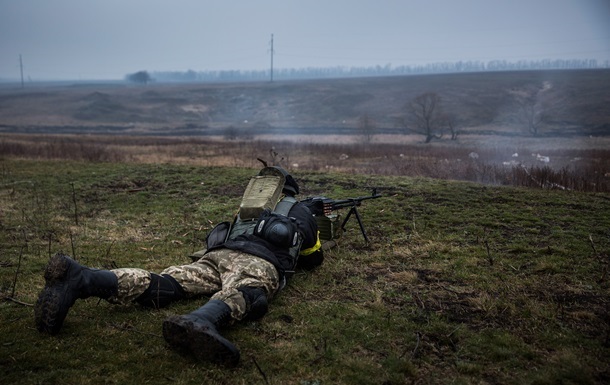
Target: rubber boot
{"points": [[197, 333], [67, 281]]}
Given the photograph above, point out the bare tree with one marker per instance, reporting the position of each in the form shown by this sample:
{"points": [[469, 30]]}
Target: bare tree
{"points": [[530, 114], [367, 127], [451, 122], [231, 132], [530, 109], [425, 116]]}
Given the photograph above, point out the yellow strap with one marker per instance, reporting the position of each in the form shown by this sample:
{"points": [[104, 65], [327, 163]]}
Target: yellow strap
{"points": [[314, 248]]}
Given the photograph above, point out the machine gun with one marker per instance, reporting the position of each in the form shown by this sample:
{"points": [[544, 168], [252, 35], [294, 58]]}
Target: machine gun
{"points": [[322, 208]]}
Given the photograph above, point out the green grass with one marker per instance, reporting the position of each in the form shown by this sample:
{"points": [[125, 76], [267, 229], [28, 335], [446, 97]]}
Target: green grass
{"points": [[462, 283]]}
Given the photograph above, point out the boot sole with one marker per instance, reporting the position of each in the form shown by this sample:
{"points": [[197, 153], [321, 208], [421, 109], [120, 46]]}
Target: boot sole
{"points": [[186, 337], [46, 310], [56, 269]]}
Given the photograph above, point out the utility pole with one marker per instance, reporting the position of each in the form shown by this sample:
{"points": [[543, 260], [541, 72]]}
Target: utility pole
{"points": [[21, 68], [271, 58]]}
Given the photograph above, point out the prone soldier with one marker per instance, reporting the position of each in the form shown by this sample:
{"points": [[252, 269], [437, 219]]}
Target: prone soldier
{"points": [[244, 265]]}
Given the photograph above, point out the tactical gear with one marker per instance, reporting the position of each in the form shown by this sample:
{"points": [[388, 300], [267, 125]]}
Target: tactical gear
{"points": [[256, 303], [197, 333], [262, 193], [261, 196], [291, 187], [284, 235], [284, 259], [67, 281], [162, 291], [218, 236], [278, 229]]}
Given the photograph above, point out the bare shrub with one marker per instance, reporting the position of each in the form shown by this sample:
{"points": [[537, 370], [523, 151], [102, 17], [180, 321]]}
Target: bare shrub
{"points": [[60, 148], [584, 170]]}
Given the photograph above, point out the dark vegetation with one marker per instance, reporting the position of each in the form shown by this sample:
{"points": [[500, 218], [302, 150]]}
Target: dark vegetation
{"points": [[387, 70]]}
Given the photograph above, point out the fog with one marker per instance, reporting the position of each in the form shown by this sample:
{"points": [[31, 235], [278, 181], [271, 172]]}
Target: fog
{"points": [[107, 39]]}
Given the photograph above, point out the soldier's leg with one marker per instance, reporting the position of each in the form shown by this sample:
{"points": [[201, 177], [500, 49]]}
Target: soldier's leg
{"points": [[198, 278], [196, 333], [66, 281], [247, 281], [146, 288], [174, 283]]}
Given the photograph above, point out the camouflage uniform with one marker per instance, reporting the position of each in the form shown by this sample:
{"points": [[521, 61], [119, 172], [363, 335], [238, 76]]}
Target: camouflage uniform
{"points": [[218, 273]]}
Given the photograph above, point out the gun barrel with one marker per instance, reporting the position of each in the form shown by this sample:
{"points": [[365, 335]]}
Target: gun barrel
{"points": [[321, 204], [352, 201]]}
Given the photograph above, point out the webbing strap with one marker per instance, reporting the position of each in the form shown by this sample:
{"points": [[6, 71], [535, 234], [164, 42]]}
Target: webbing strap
{"points": [[285, 205]]}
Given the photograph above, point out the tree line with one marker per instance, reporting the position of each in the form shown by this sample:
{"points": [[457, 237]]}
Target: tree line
{"points": [[345, 71]]}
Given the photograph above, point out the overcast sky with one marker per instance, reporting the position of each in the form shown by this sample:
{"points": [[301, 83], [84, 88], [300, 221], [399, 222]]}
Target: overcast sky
{"points": [[107, 39]]}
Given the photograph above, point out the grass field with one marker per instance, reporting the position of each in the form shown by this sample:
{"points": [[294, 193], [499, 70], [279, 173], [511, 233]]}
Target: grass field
{"points": [[462, 283]]}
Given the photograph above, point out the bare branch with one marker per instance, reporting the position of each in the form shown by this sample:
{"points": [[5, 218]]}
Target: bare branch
{"points": [[425, 115]]}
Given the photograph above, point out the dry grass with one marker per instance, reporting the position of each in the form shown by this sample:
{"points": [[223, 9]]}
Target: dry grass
{"points": [[582, 165]]}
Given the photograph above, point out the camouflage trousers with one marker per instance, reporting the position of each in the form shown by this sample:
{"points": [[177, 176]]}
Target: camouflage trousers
{"points": [[219, 274]]}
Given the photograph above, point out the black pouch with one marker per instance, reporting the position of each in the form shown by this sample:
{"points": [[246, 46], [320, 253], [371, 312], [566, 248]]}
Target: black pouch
{"points": [[218, 235]]}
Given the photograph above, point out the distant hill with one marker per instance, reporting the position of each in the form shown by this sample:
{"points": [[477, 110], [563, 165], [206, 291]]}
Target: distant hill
{"points": [[574, 102]]}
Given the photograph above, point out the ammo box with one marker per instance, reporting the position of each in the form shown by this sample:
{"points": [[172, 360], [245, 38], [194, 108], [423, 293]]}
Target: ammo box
{"points": [[263, 192], [329, 226]]}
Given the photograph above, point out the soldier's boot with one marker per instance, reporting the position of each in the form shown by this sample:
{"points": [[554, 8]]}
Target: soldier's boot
{"points": [[256, 303], [197, 333], [162, 290], [65, 282]]}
